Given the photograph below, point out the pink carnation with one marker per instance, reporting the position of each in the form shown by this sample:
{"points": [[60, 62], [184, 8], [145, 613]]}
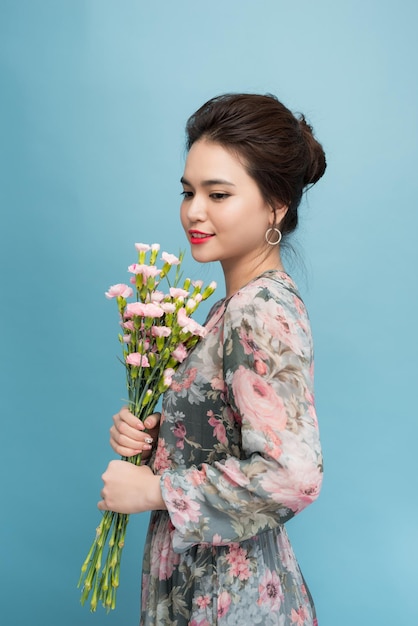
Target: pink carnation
{"points": [[170, 258], [160, 331], [137, 359], [168, 307], [143, 310], [157, 296], [191, 304], [147, 271], [176, 292], [168, 376], [119, 290], [142, 247], [188, 325], [180, 353]]}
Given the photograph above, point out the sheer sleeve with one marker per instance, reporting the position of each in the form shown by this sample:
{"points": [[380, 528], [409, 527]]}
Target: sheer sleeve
{"points": [[267, 368]]}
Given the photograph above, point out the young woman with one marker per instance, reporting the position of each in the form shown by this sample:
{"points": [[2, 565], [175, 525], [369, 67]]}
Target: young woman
{"points": [[238, 452]]}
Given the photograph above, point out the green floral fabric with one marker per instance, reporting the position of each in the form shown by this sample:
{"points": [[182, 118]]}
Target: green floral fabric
{"points": [[239, 455]]}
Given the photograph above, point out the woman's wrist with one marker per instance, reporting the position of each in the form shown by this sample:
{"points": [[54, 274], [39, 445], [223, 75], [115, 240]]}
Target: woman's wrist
{"points": [[156, 501]]}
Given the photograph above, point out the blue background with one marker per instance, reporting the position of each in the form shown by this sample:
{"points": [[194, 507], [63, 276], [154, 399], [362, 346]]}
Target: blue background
{"points": [[94, 97]]}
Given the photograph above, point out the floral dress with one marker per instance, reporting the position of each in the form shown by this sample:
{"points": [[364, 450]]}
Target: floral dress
{"points": [[239, 455]]}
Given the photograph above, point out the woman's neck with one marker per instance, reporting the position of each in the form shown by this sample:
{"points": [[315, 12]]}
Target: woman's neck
{"points": [[239, 274]]}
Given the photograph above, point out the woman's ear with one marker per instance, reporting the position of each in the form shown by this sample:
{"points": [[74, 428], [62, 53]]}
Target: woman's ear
{"points": [[278, 212]]}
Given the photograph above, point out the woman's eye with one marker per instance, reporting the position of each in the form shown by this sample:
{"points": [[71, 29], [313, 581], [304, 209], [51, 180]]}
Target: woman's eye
{"points": [[186, 194], [219, 196]]}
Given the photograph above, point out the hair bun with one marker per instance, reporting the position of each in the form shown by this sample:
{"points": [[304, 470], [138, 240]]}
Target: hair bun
{"points": [[316, 161]]}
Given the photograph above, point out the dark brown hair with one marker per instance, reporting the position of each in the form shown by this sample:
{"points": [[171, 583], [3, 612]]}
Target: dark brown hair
{"points": [[278, 149]]}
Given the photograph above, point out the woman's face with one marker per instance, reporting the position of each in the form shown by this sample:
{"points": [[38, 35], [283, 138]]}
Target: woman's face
{"points": [[223, 212]]}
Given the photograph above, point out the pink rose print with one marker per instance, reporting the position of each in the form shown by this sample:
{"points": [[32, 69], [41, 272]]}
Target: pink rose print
{"points": [[217, 383], [278, 323], [250, 345], [219, 431], [197, 476], [260, 367], [299, 617], [270, 590], [258, 402], [237, 558], [203, 602], [179, 431], [161, 461], [187, 382], [224, 602], [163, 557], [183, 509], [294, 486], [217, 540], [231, 469]]}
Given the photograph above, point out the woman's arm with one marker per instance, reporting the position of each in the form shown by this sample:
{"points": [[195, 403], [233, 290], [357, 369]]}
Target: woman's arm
{"points": [[267, 359]]}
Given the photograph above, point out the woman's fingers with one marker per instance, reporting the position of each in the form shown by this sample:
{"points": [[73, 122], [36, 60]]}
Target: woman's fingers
{"points": [[152, 421], [128, 435]]}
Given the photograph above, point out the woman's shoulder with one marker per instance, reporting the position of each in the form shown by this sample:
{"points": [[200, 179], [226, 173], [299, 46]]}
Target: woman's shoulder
{"points": [[271, 288], [271, 304]]}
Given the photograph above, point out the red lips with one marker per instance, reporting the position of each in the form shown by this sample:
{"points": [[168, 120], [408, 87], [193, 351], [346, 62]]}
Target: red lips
{"points": [[197, 237]]}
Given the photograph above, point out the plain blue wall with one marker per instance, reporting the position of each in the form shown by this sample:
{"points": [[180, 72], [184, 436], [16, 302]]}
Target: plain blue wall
{"points": [[94, 97]]}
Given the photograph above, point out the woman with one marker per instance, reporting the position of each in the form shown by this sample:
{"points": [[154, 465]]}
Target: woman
{"points": [[238, 451]]}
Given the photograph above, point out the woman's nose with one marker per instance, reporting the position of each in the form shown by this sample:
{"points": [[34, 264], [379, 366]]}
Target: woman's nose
{"points": [[196, 208]]}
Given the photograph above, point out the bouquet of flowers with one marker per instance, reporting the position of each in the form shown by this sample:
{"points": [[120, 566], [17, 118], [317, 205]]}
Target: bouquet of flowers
{"points": [[157, 333]]}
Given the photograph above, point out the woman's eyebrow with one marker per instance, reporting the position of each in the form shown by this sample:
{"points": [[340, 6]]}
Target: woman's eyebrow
{"points": [[208, 183]]}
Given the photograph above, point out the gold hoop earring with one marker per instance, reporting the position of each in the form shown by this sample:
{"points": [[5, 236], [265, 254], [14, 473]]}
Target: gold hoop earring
{"points": [[278, 234]]}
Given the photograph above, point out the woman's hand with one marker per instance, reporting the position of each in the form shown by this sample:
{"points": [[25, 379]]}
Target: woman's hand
{"points": [[130, 489], [129, 436]]}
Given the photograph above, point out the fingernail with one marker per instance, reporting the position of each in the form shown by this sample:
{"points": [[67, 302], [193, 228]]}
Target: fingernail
{"points": [[148, 440]]}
